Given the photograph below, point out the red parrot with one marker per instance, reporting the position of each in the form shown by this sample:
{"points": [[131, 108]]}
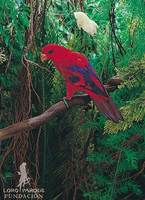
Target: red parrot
{"points": [[79, 75]]}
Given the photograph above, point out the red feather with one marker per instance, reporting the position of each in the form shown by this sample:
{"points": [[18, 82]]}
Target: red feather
{"points": [[79, 75]]}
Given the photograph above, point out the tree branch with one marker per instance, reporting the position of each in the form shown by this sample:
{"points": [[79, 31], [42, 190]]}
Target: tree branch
{"points": [[51, 112]]}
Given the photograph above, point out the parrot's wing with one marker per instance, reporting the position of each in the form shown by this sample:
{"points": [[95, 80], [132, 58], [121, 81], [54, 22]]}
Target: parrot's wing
{"points": [[86, 79]]}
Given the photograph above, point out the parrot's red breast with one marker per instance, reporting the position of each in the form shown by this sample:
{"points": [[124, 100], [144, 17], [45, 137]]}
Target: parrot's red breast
{"points": [[79, 75]]}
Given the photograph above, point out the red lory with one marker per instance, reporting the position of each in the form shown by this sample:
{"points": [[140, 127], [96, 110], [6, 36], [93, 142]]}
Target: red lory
{"points": [[80, 76]]}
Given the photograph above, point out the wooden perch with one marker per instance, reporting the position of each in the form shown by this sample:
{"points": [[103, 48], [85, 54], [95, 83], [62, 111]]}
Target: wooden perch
{"points": [[50, 113]]}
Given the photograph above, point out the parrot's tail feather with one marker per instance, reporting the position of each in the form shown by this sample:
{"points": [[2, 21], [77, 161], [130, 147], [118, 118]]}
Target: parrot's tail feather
{"points": [[109, 109]]}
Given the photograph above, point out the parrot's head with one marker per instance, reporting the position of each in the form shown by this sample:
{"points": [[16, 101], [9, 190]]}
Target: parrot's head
{"points": [[53, 52]]}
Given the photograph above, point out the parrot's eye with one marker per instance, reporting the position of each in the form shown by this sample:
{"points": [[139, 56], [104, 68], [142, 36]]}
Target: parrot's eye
{"points": [[50, 52]]}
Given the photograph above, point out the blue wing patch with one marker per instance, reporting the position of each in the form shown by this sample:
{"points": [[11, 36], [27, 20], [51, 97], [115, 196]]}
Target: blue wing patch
{"points": [[89, 69], [74, 79], [87, 72]]}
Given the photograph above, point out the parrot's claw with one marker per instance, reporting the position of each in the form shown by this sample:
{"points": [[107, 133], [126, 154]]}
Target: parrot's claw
{"points": [[65, 102]]}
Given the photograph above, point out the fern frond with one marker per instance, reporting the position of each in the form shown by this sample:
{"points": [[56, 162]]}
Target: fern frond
{"points": [[134, 111]]}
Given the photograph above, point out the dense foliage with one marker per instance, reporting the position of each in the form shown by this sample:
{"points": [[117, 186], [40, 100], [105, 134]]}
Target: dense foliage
{"points": [[79, 154]]}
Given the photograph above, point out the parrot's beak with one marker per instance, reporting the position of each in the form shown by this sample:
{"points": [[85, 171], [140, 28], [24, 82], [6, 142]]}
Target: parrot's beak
{"points": [[43, 57]]}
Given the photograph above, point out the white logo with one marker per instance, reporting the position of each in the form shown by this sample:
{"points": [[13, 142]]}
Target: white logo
{"points": [[21, 192], [24, 179]]}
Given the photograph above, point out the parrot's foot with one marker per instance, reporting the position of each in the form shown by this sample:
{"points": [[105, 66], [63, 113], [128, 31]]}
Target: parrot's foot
{"points": [[65, 102]]}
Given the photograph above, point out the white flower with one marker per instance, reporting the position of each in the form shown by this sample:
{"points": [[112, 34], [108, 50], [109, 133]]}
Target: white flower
{"points": [[85, 23]]}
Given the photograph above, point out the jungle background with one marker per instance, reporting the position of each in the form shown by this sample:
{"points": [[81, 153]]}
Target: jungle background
{"points": [[79, 154]]}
